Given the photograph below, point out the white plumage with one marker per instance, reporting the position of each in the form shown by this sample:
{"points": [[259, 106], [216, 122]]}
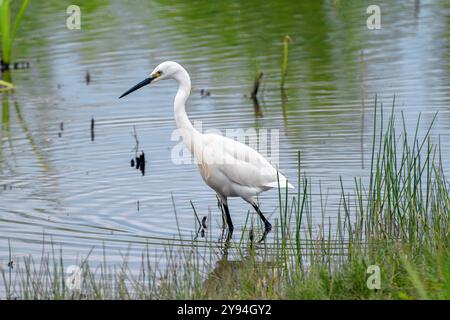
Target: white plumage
{"points": [[229, 167], [233, 169]]}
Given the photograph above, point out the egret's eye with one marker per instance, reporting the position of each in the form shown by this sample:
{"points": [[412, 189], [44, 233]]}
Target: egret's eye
{"points": [[156, 74]]}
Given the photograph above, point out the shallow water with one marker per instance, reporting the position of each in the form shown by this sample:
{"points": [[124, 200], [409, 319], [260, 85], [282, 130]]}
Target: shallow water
{"points": [[61, 186]]}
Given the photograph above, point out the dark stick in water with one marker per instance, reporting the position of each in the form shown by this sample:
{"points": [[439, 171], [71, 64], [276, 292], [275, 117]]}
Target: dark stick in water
{"points": [[140, 163], [255, 94], [92, 129], [257, 84], [136, 147]]}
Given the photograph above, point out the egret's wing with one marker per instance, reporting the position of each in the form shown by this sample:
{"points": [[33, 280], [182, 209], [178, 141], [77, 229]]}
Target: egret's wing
{"points": [[240, 163]]}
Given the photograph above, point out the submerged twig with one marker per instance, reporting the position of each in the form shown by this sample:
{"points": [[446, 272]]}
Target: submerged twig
{"points": [[92, 129], [140, 163], [136, 146], [257, 84], [254, 94]]}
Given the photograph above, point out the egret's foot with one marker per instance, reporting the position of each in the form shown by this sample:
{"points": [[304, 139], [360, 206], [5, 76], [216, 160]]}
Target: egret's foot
{"points": [[230, 233], [229, 236], [267, 229], [263, 238]]}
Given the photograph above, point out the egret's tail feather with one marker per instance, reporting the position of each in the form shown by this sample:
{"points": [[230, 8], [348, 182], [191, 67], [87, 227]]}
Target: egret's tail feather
{"points": [[282, 184]]}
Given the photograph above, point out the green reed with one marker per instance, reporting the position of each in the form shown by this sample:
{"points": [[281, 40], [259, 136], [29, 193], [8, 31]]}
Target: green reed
{"points": [[284, 59], [8, 27]]}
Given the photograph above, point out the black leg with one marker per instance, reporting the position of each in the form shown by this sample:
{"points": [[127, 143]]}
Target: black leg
{"points": [[267, 224], [228, 218], [222, 210]]}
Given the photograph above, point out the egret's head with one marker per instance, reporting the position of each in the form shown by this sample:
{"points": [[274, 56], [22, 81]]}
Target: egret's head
{"points": [[164, 71]]}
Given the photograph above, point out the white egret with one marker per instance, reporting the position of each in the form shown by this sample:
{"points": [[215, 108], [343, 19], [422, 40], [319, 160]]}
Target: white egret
{"points": [[229, 167]]}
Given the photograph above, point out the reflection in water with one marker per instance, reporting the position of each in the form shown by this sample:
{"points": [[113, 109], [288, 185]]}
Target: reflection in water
{"points": [[283, 108], [87, 78], [254, 94], [6, 128], [257, 107], [224, 269], [34, 146], [363, 108], [230, 270], [416, 8], [227, 230]]}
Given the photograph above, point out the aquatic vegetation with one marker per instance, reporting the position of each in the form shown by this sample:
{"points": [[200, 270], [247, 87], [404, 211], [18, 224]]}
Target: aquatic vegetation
{"points": [[5, 85], [8, 28], [10, 109], [284, 60], [399, 223]]}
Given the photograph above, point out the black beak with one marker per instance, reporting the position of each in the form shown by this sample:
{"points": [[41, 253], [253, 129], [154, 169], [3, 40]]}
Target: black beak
{"points": [[139, 85]]}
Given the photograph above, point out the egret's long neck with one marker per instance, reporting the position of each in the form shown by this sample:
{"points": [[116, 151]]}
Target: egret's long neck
{"points": [[189, 134]]}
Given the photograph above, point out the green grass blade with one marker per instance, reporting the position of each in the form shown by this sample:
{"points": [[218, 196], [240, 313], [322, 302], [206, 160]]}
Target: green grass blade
{"points": [[5, 85], [5, 22], [18, 19]]}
